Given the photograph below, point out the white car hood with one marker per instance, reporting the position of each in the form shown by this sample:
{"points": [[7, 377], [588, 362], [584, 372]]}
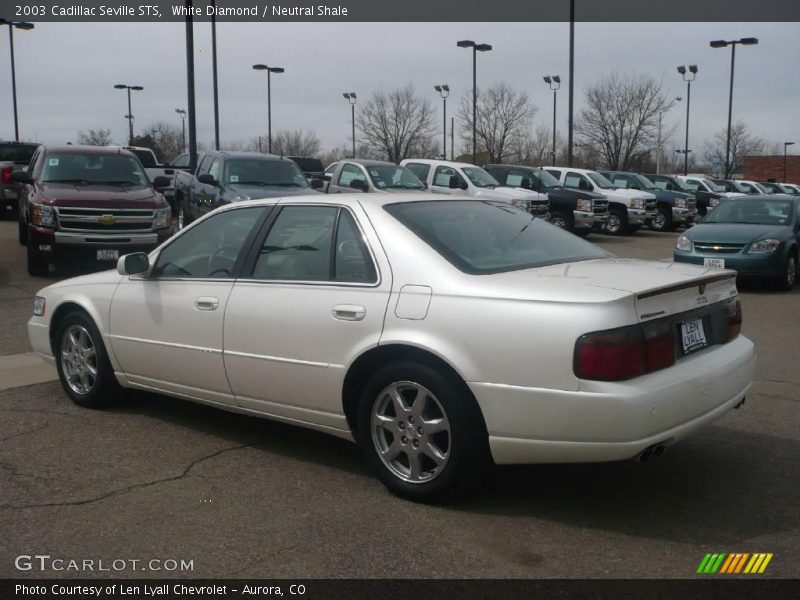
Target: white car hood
{"points": [[507, 194], [626, 193], [103, 277]]}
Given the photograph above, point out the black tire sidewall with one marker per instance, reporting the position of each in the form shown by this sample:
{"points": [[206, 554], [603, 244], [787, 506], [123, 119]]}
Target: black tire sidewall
{"points": [[37, 264], [106, 388], [469, 453]]}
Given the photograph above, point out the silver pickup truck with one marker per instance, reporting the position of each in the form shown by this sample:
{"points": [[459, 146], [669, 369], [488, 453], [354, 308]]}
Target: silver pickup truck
{"points": [[14, 156]]}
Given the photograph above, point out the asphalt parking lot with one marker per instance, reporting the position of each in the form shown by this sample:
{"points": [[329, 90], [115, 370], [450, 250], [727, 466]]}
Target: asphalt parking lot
{"points": [[156, 478]]}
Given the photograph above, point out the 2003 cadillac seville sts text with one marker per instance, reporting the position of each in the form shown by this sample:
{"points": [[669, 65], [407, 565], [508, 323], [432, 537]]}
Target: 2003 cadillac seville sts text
{"points": [[440, 334]]}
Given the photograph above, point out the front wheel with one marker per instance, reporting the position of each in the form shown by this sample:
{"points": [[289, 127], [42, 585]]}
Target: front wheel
{"points": [[663, 219], [83, 367], [617, 222], [422, 432], [562, 220], [787, 280]]}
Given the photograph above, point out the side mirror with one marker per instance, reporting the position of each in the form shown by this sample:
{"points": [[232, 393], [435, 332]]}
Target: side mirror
{"points": [[359, 184], [584, 185], [670, 187], [526, 183], [326, 177], [316, 184], [21, 177], [454, 183], [133, 264], [161, 182], [206, 179]]}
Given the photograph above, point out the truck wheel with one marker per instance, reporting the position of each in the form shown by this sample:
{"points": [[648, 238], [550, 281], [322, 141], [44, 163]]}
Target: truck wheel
{"points": [[562, 220], [37, 264], [422, 432], [663, 219], [786, 281], [617, 223]]}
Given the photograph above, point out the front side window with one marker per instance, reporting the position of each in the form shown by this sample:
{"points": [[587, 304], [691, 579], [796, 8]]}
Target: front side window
{"points": [[215, 170], [93, 169], [442, 175], [577, 181], [350, 173], [393, 177], [181, 161], [485, 237], [480, 178], [314, 243], [205, 165], [210, 248], [601, 181]]}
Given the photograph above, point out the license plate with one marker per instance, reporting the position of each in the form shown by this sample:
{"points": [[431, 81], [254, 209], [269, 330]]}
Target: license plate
{"points": [[714, 262], [107, 254], [693, 335]]}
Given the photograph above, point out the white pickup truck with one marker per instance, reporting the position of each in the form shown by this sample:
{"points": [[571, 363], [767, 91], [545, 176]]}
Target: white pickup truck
{"points": [[155, 169], [464, 179], [628, 210]]}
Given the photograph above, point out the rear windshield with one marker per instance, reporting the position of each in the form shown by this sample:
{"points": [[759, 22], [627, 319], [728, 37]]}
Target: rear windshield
{"points": [[147, 157], [491, 237], [18, 153]]}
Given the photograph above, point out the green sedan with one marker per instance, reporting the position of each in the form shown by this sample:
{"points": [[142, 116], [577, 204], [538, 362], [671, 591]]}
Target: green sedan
{"points": [[758, 236]]}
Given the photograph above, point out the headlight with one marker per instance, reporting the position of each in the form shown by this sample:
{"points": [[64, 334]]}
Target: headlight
{"points": [[712, 202], [39, 306], [42, 215], [637, 203], [684, 244], [584, 205], [161, 218], [680, 203], [764, 247]]}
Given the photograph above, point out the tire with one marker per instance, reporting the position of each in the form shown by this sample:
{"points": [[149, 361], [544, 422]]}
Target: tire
{"points": [[22, 231], [582, 232], [663, 219], [449, 446], [82, 362], [617, 223], [562, 220], [786, 281], [37, 264]]}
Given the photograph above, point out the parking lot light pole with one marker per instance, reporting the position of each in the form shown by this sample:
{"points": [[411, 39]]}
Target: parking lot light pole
{"points": [[214, 73], [129, 116], [658, 144], [444, 92], [688, 78], [270, 71], [182, 114], [554, 82], [11, 26], [475, 49], [751, 41], [785, 145], [452, 138], [351, 98]]}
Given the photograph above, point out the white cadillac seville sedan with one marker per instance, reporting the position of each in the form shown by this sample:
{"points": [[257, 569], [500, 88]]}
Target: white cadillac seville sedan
{"points": [[440, 334]]}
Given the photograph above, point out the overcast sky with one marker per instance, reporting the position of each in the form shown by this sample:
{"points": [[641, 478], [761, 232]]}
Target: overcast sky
{"points": [[66, 72]]}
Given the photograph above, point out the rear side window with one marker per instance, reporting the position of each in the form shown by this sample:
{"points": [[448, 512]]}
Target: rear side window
{"points": [[420, 170]]}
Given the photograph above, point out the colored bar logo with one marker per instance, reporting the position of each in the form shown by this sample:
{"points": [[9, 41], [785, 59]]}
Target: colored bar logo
{"points": [[734, 563]]}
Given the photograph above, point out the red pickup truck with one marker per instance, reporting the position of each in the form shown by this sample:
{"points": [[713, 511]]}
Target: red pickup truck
{"points": [[91, 202]]}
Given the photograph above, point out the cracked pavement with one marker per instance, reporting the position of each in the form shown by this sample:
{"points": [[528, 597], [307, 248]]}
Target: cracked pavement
{"points": [[155, 477]]}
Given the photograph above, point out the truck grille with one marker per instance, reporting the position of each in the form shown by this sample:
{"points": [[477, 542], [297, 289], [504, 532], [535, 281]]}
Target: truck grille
{"points": [[650, 206], [711, 247], [538, 207], [104, 219], [600, 207], [691, 203]]}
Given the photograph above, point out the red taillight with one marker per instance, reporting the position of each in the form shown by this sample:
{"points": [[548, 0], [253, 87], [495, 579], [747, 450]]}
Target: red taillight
{"points": [[625, 353], [6, 175], [735, 321]]}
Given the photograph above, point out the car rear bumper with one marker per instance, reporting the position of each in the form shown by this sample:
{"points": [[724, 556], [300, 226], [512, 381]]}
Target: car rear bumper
{"points": [[608, 421]]}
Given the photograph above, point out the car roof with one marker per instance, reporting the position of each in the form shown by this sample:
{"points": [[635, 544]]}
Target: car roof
{"points": [[367, 162], [434, 161], [359, 197], [81, 149]]}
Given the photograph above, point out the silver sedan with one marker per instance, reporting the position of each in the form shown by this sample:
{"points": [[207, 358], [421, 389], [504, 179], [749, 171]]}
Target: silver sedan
{"points": [[439, 334]]}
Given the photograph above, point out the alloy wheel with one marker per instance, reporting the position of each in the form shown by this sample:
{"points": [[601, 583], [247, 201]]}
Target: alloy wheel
{"points": [[558, 221], [78, 360], [659, 221], [614, 223], [410, 432]]}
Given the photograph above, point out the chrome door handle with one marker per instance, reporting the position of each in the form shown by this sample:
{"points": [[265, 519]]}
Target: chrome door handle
{"points": [[349, 312], [206, 303]]}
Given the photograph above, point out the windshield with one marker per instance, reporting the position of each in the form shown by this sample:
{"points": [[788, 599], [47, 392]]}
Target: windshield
{"points": [[752, 211], [261, 172], [393, 177], [93, 169], [546, 178], [480, 178], [680, 184], [644, 182], [601, 181], [491, 237], [713, 186], [18, 153]]}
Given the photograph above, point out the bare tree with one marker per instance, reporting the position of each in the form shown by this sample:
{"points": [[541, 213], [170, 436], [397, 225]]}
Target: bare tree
{"points": [[398, 124], [743, 143], [534, 148], [503, 117], [95, 137], [162, 138], [620, 119], [297, 142]]}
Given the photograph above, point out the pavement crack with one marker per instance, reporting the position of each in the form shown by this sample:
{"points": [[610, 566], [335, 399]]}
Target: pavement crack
{"points": [[128, 488], [21, 433]]}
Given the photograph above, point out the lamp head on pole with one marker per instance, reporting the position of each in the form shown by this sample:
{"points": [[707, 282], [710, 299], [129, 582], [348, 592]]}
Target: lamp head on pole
{"points": [[465, 44], [350, 97], [718, 44]]}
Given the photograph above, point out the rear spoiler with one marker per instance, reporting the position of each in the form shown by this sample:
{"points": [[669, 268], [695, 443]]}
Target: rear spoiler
{"points": [[701, 282]]}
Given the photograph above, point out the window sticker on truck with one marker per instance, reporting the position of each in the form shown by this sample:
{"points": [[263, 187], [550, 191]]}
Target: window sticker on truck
{"points": [[234, 178], [53, 162]]}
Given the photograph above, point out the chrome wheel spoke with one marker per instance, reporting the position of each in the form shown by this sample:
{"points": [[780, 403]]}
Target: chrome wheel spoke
{"points": [[434, 453], [435, 426], [392, 450], [78, 359], [414, 466]]}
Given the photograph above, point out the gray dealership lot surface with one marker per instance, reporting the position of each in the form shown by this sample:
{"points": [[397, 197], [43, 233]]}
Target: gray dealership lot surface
{"points": [[156, 478]]}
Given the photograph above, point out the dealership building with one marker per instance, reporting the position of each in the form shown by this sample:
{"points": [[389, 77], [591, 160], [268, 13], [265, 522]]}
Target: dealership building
{"points": [[770, 168]]}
